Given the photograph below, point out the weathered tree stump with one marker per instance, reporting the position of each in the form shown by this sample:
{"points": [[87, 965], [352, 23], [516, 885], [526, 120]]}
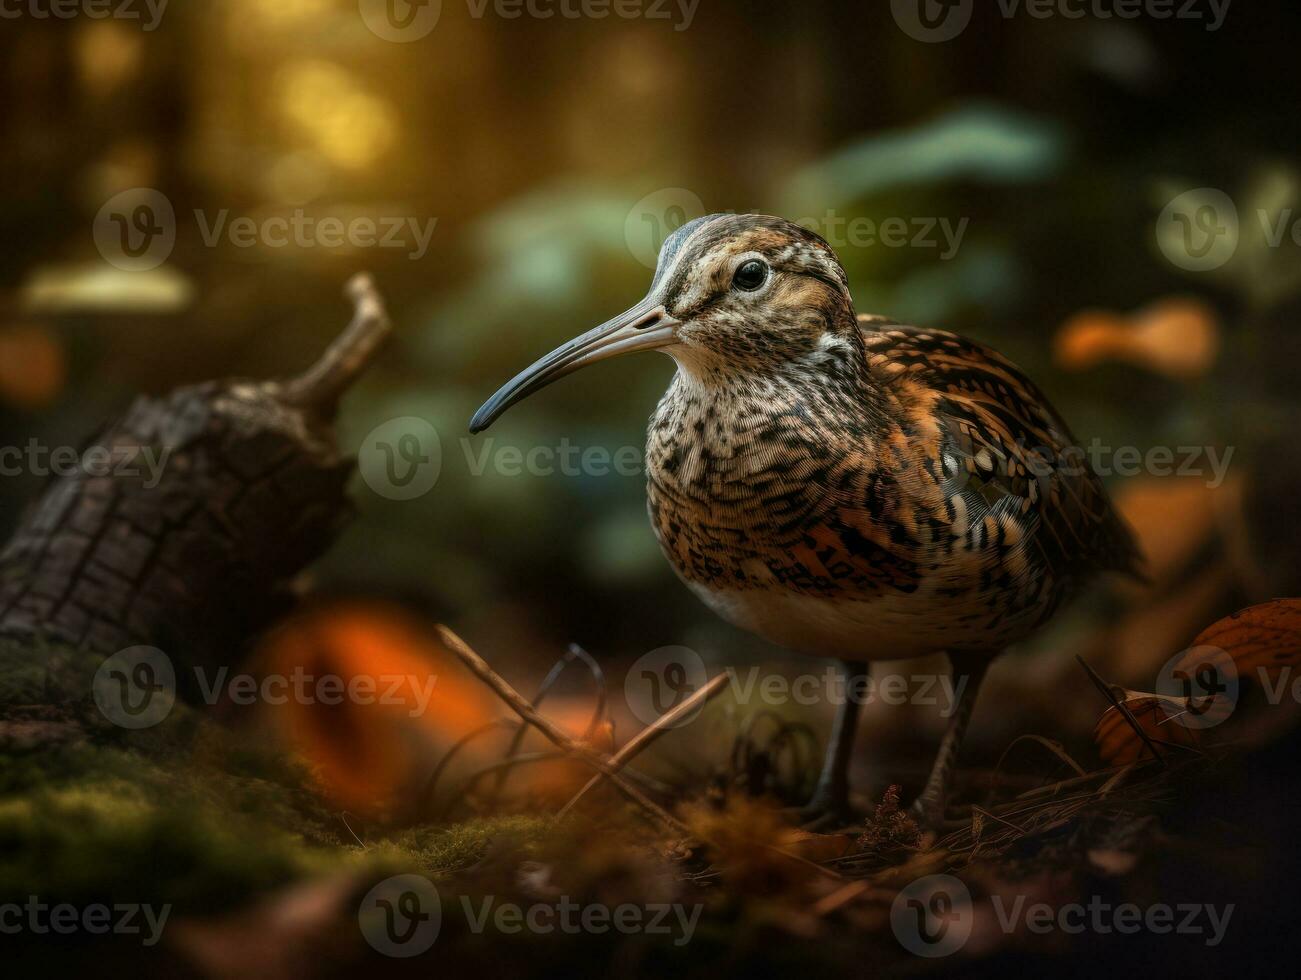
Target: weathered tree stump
{"points": [[215, 496]]}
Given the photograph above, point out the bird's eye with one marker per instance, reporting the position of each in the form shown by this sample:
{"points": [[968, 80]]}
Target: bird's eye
{"points": [[751, 275]]}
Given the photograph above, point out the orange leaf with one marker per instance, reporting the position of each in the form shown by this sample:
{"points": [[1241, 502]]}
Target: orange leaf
{"points": [[1263, 637], [383, 700], [1118, 743], [1176, 337], [1260, 640]]}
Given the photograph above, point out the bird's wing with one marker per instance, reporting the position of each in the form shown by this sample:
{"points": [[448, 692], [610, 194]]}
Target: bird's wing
{"points": [[1010, 464]]}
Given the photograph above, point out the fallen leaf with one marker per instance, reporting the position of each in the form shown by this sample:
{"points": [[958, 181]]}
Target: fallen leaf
{"points": [[1118, 744], [1254, 644], [1263, 637], [1177, 337], [380, 700]]}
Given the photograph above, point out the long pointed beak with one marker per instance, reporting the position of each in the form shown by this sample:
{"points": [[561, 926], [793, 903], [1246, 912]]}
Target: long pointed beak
{"points": [[647, 326]]}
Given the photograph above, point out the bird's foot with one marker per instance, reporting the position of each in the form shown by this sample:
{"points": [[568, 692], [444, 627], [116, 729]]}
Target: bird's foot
{"points": [[928, 811]]}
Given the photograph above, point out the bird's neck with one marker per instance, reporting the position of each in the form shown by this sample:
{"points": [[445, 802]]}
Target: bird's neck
{"points": [[830, 378]]}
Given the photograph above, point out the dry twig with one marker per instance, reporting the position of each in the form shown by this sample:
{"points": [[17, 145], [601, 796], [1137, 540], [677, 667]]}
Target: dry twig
{"points": [[648, 735], [517, 703]]}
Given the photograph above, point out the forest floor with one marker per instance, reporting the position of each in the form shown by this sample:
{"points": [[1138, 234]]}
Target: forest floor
{"points": [[261, 877]]}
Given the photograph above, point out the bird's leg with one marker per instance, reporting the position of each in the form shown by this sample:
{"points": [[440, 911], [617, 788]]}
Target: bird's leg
{"points": [[830, 800], [968, 672]]}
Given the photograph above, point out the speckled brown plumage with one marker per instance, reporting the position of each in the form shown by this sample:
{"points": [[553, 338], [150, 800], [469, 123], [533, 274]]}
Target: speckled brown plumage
{"points": [[911, 472], [932, 470], [847, 487]]}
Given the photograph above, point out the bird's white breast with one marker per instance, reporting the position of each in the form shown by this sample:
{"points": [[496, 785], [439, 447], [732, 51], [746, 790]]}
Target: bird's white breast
{"points": [[893, 626]]}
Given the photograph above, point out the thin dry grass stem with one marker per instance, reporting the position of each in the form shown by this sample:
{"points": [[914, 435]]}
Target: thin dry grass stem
{"points": [[647, 737], [841, 897], [1035, 816], [821, 869], [1076, 781], [1109, 692], [993, 816], [517, 703]]}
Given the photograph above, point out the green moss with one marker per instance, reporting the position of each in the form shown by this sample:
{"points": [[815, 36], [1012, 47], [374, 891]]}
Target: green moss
{"points": [[448, 849], [188, 812]]}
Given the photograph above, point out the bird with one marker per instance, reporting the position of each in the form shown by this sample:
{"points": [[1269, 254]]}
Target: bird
{"points": [[848, 487]]}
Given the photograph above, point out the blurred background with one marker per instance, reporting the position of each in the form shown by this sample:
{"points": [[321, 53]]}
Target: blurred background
{"points": [[1054, 187]]}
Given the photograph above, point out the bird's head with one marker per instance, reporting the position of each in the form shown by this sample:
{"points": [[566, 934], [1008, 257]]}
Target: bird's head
{"points": [[732, 293]]}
